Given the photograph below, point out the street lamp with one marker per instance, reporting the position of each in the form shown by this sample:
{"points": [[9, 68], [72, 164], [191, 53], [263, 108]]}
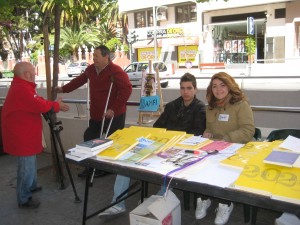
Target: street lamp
{"points": [[155, 10]]}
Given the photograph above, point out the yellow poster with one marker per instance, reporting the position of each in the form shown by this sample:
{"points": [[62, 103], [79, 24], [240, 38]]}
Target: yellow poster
{"points": [[146, 54], [187, 53]]}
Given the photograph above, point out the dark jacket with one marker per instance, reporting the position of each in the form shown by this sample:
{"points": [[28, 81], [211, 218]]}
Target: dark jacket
{"points": [[191, 119]]}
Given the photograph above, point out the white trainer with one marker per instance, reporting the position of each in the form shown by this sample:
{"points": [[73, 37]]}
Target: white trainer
{"points": [[223, 213], [202, 207], [112, 211]]}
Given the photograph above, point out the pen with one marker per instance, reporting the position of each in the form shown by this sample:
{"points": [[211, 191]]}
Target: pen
{"points": [[194, 152]]}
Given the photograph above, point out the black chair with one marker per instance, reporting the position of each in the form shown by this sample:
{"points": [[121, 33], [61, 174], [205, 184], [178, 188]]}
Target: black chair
{"points": [[257, 134], [283, 134], [251, 211]]}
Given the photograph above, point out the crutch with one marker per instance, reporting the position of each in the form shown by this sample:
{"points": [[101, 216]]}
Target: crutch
{"points": [[102, 125], [105, 109]]}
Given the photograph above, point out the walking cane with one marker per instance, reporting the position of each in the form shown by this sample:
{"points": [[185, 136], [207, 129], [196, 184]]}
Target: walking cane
{"points": [[102, 125], [105, 109]]}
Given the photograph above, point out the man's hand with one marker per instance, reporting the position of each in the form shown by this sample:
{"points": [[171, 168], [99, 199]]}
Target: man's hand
{"points": [[63, 106], [109, 114], [58, 89]]}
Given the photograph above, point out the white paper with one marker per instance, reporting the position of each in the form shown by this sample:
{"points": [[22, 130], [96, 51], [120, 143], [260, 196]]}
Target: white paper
{"points": [[291, 143], [193, 140]]}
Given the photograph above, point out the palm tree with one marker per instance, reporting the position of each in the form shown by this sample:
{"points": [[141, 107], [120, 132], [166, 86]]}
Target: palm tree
{"points": [[112, 16], [73, 12], [73, 39]]}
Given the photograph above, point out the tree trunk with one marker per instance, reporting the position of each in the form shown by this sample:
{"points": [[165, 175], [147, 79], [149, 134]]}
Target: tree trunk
{"points": [[54, 144], [46, 49], [56, 50]]}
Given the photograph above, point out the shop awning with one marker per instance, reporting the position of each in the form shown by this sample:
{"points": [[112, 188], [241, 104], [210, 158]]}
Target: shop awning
{"points": [[147, 44]]}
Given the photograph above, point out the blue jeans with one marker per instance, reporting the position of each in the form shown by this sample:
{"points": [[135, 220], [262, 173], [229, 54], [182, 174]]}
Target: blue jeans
{"points": [[26, 177], [121, 184]]}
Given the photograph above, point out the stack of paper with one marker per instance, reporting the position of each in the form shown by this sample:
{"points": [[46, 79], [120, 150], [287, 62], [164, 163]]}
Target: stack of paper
{"points": [[88, 148]]}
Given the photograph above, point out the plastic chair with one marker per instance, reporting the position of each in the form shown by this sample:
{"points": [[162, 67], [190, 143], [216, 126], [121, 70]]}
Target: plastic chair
{"points": [[283, 134], [273, 136], [257, 134]]}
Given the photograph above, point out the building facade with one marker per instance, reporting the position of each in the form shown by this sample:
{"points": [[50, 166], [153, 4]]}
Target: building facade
{"points": [[187, 33]]}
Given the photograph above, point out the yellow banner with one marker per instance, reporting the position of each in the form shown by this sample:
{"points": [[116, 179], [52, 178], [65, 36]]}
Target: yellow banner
{"points": [[146, 54], [187, 53]]}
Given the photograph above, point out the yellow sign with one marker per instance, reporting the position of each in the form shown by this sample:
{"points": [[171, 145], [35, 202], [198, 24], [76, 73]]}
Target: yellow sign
{"points": [[146, 54], [187, 53]]}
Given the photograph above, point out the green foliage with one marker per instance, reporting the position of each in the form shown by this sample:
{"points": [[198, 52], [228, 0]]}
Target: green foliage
{"points": [[73, 12], [115, 44], [250, 44], [34, 57], [71, 40]]}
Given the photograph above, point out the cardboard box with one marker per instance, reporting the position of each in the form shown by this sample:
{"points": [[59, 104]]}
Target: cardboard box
{"points": [[157, 210]]}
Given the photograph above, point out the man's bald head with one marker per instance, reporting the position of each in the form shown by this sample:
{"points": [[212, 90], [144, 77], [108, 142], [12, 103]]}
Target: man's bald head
{"points": [[25, 71]]}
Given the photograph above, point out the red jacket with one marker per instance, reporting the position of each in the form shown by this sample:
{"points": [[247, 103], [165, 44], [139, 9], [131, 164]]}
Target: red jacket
{"points": [[22, 120], [99, 89]]}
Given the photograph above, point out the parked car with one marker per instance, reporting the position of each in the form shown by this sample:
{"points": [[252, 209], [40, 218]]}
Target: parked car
{"points": [[135, 71], [76, 68]]}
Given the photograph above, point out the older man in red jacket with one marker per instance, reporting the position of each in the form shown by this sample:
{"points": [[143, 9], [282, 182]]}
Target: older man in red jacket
{"points": [[22, 129]]}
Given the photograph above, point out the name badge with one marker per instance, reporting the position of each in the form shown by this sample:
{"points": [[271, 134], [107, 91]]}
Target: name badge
{"points": [[223, 117]]}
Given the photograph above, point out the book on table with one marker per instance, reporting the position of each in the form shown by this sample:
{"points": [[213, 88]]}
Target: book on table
{"points": [[242, 156], [257, 176], [77, 156], [287, 187], [283, 158], [141, 151], [117, 149], [95, 144], [89, 152]]}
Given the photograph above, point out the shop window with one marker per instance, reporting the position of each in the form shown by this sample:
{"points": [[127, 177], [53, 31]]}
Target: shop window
{"points": [[279, 13], [150, 18], [186, 13], [140, 19], [143, 19]]}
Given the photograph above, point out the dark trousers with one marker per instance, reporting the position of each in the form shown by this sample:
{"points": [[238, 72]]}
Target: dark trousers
{"points": [[94, 129]]}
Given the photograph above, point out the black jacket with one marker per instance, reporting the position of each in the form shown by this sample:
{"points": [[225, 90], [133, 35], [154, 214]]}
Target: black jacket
{"points": [[176, 116]]}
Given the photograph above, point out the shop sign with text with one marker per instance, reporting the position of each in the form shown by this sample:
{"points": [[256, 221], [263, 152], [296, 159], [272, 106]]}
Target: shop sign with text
{"points": [[166, 33]]}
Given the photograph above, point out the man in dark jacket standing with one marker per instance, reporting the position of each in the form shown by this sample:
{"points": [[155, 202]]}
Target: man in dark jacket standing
{"points": [[22, 129], [101, 75]]}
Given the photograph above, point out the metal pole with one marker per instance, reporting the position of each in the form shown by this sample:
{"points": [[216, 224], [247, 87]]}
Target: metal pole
{"points": [[154, 33]]}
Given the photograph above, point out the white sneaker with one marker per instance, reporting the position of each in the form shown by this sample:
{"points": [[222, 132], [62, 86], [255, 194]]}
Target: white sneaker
{"points": [[223, 213], [112, 211], [287, 219], [202, 207]]}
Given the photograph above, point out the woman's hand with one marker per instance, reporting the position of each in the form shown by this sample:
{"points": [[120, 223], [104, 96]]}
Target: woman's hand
{"points": [[207, 135]]}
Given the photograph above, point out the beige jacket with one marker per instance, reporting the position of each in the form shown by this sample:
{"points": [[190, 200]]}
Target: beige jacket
{"points": [[232, 123]]}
